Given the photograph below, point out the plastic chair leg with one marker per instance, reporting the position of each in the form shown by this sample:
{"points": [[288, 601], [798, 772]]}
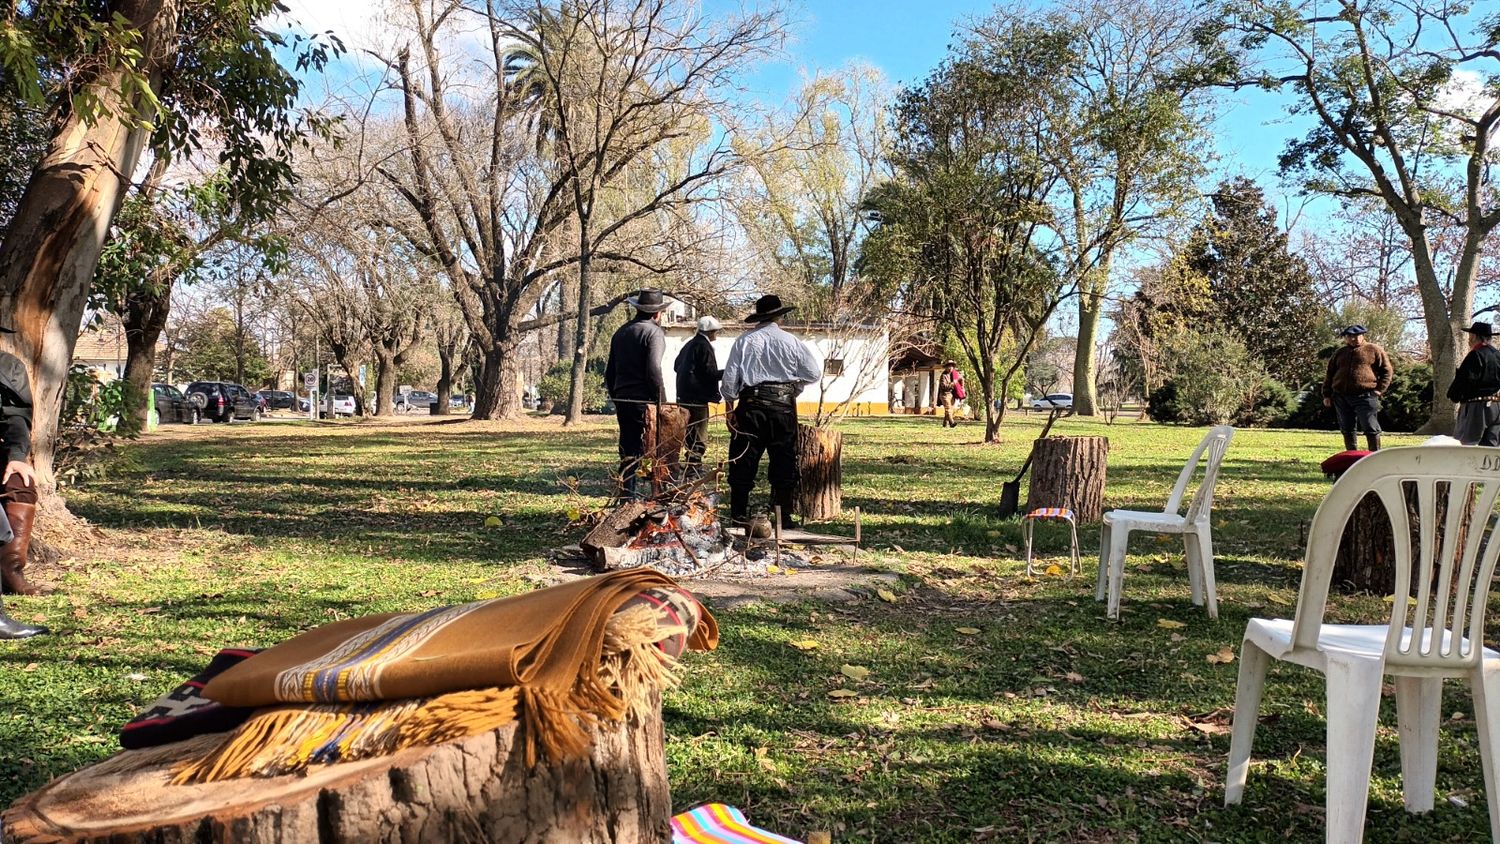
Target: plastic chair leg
{"points": [[1247, 694], [1073, 530], [1206, 571], [1353, 706], [1103, 588], [1486, 688], [1190, 549], [1419, 705], [1118, 541], [1026, 532]]}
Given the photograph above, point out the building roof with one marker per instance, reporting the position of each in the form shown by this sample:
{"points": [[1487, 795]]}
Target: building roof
{"points": [[101, 344], [915, 359]]}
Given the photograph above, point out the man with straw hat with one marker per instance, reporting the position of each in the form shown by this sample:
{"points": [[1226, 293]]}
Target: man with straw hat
{"points": [[633, 379], [766, 371], [1476, 388], [18, 495]]}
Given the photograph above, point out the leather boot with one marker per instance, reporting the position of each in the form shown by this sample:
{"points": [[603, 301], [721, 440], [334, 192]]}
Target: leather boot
{"points": [[12, 629], [739, 507], [13, 554], [785, 499], [1350, 443], [1372, 441]]}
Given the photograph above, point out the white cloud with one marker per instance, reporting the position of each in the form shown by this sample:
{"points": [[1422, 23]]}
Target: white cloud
{"points": [[1465, 94], [360, 24]]}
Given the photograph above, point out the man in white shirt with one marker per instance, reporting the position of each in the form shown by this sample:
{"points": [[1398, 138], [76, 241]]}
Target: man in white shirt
{"points": [[767, 370]]}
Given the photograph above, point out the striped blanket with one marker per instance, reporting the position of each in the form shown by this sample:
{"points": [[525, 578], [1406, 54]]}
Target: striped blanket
{"points": [[715, 823]]}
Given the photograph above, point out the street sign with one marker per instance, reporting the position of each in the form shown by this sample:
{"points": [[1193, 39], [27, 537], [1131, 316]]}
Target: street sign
{"points": [[310, 381]]}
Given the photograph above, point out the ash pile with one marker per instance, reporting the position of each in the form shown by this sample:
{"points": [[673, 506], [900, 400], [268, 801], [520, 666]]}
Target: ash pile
{"points": [[682, 538]]}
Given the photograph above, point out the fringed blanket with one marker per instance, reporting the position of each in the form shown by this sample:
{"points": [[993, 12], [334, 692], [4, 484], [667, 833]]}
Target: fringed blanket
{"points": [[555, 659]]}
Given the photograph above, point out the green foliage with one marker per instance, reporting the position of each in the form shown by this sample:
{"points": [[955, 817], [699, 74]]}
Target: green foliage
{"points": [[24, 131], [94, 415], [1214, 380], [1406, 406], [1387, 326], [555, 384], [211, 346], [1270, 405]]}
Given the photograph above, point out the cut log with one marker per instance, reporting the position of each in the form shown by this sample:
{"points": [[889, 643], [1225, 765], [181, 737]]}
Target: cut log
{"points": [[1069, 472], [616, 530], [666, 434], [1366, 560], [471, 790], [820, 459]]}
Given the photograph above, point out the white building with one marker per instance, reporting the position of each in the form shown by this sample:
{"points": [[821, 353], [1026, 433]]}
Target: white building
{"points": [[855, 366]]}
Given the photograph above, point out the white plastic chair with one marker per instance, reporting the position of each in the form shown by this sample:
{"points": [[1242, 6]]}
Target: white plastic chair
{"points": [[1447, 611], [1197, 537]]}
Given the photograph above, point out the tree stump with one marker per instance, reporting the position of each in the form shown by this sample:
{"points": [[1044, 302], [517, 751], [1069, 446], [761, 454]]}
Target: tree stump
{"points": [[666, 434], [1366, 559], [820, 458], [1069, 472], [474, 789]]}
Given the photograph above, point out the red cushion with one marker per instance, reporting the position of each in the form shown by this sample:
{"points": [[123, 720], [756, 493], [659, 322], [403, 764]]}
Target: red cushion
{"points": [[1339, 463]]}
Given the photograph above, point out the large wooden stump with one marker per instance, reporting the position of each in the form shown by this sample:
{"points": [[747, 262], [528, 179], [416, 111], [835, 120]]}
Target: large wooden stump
{"points": [[820, 458], [666, 433], [1069, 472], [471, 790], [1366, 559]]}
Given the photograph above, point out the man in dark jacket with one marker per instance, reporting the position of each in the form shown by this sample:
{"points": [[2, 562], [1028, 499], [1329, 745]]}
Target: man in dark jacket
{"points": [[1358, 374], [698, 377], [1475, 387], [633, 379], [18, 496]]}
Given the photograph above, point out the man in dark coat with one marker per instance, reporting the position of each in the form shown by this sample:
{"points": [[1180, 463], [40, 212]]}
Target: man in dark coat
{"points": [[1475, 387], [19, 488], [1358, 374], [766, 371], [633, 379], [698, 377]]}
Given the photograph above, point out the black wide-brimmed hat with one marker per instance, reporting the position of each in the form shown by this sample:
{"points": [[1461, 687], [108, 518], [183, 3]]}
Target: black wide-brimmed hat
{"points": [[769, 307], [1354, 331], [649, 301], [1481, 329]]}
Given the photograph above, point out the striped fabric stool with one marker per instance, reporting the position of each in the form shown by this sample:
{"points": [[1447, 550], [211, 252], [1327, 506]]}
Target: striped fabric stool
{"points": [[1050, 514], [715, 823]]}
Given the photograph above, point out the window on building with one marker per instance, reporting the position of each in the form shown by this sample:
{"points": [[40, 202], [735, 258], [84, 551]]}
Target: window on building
{"points": [[833, 367]]}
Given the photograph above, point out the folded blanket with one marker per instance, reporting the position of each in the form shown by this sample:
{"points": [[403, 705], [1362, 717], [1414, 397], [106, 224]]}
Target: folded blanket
{"points": [[555, 659], [183, 712], [716, 823]]}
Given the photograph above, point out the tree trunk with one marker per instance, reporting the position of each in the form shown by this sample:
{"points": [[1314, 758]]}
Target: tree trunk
{"points": [[52, 247], [474, 789], [1069, 472], [1366, 559], [1085, 364], [820, 457], [665, 436], [567, 302], [385, 383], [580, 330], [145, 317], [445, 379], [495, 388]]}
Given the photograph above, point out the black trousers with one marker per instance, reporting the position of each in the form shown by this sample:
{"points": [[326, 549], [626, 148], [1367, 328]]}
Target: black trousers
{"points": [[1357, 410], [762, 428], [697, 434], [632, 418]]}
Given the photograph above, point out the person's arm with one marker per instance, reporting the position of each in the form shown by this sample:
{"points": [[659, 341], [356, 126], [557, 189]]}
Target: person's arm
{"points": [[17, 427], [609, 372], [1383, 371], [1333, 366], [655, 348], [1468, 372], [810, 371]]}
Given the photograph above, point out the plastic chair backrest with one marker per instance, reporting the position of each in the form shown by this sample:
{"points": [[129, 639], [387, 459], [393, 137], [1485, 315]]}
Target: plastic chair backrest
{"points": [[1214, 443], [1419, 486]]}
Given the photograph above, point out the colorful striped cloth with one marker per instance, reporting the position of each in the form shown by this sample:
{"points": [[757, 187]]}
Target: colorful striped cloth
{"points": [[715, 822], [1061, 514]]}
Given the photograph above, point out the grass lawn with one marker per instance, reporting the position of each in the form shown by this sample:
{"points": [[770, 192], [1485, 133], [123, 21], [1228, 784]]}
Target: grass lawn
{"points": [[1048, 724]]}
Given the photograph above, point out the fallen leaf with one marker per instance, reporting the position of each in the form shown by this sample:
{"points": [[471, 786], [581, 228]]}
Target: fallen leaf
{"points": [[430, 593], [773, 569], [1073, 677], [150, 610], [1391, 599], [574, 515], [995, 724], [804, 645], [788, 570], [1277, 599], [137, 677], [886, 595], [967, 631], [493, 522], [855, 672], [840, 694], [1054, 570], [1224, 656], [1169, 624]]}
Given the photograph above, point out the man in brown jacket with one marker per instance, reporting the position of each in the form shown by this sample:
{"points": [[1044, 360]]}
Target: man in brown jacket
{"points": [[1358, 375]]}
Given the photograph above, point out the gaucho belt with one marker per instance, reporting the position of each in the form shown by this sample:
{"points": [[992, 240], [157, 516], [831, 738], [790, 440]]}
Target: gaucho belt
{"points": [[771, 392], [1483, 399]]}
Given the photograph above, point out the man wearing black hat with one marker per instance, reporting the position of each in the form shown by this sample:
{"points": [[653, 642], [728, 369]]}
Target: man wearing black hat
{"points": [[766, 371], [18, 496], [633, 379], [1476, 387], [1358, 374]]}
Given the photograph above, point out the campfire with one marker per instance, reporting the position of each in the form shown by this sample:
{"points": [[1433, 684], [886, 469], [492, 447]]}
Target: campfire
{"points": [[682, 538]]}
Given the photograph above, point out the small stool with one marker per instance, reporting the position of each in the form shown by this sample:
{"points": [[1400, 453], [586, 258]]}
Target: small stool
{"points": [[1050, 514]]}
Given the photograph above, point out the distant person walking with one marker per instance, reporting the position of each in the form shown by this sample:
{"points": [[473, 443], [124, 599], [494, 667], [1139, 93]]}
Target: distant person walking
{"points": [[766, 371], [950, 392], [1476, 388], [19, 489], [1358, 374], [633, 379], [698, 376]]}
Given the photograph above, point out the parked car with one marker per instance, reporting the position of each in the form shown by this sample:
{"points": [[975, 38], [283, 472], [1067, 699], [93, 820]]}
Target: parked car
{"points": [[343, 405], [1062, 401], [415, 400], [304, 403], [223, 401], [173, 406], [279, 399]]}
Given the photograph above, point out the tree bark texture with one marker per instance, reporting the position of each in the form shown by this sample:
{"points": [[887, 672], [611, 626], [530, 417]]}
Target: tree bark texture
{"points": [[385, 382], [666, 434], [820, 458], [1069, 472], [580, 330], [444, 388], [1366, 560], [51, 250], [1085, 364], [144, 319], [471, 790]]}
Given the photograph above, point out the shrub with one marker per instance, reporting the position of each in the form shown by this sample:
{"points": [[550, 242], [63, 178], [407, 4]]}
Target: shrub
{"points": [[1213, 378], [94, 415], [1271, 404], [555, 384], [1404, 407]]}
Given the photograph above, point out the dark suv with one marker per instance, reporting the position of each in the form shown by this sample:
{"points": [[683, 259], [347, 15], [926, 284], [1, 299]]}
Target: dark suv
{"points": [[279, 400], [223, 401]]}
